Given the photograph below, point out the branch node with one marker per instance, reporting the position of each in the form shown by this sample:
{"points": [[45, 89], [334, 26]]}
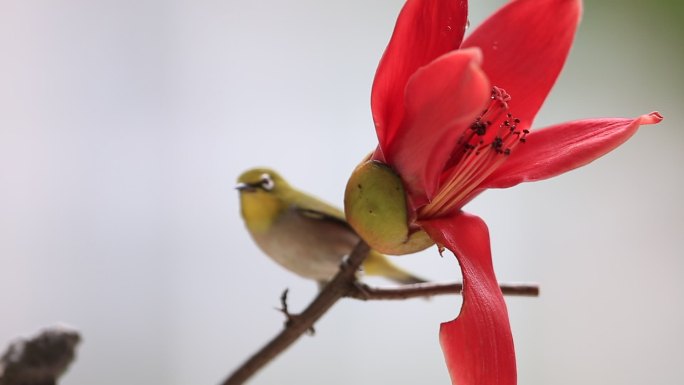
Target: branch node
{"points": [[360, 290], [291, 319]]}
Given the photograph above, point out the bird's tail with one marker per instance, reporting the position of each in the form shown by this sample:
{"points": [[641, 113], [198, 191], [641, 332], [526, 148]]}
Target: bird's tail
{"points": [[378, 264]]}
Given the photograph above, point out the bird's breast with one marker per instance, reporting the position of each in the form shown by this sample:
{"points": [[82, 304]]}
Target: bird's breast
{"points": [[310, 247]]}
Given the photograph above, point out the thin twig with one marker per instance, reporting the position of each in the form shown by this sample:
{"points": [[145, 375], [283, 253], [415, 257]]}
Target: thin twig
{"points": [[297, 325], [365, 292]]}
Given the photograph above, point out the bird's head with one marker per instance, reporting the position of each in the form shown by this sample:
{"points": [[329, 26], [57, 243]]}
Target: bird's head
{"points": [[262, 181], [263, 197]]}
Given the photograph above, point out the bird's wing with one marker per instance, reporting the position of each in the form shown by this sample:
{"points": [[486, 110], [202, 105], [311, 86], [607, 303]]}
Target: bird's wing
{"points": [[321, 216], [317, 209]]}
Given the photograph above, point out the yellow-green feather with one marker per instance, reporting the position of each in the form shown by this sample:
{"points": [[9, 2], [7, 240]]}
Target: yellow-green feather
{"points": [[260, 209]]}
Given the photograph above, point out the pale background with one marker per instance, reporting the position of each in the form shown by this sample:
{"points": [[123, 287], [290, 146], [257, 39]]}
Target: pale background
{"points": [[123, 125]]}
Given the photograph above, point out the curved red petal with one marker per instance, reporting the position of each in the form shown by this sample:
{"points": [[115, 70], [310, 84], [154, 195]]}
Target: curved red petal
{"points": [[425, 30], [442, 99], [525, 45], [478, 345], [558, 149]]}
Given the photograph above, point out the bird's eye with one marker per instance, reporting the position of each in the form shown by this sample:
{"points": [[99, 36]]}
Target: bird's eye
{"points": [[267, 183]]}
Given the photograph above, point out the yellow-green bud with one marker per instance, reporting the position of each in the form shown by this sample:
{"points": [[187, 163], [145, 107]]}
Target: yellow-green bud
{"points": [[375, 206]]}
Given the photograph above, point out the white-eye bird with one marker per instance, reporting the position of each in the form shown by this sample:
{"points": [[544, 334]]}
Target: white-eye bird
{"points": [[303, 234]]}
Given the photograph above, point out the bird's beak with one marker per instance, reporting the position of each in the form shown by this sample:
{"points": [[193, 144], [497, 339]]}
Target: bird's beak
{"points": [[244, 187]]}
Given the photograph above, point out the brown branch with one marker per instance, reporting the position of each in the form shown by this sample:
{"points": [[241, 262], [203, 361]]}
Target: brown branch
{"points": [[344, 284], [364, 292], [298, 324]]}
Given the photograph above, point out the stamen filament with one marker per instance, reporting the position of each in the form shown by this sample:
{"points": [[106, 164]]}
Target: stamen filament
{"points": [[482, 154]]}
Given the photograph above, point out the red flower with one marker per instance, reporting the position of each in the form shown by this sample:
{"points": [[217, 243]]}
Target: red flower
{"points": [[453, 118]]}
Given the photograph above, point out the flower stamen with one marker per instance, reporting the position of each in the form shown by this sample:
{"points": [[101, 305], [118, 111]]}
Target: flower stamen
{"points": [[481, 150]]}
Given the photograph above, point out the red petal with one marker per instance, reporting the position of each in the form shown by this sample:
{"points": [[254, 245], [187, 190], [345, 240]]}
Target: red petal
{"points": [[425, 30], [525, 45], [442, 99], [477, 346], [558, 149]]}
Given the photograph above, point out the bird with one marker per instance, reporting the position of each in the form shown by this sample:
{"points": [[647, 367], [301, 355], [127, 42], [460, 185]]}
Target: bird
{"points": [[302, 233]]}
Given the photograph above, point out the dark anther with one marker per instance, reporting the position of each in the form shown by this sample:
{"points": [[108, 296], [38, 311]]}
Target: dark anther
{"points": [[479, 128], [497, 143]]}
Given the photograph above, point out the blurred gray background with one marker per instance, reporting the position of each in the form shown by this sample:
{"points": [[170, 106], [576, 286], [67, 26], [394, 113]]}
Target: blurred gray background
{"points": [[123, 125]]}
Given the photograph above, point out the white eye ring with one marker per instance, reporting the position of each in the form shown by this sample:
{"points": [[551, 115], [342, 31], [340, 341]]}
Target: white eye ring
{"points": [[266, 182]]}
